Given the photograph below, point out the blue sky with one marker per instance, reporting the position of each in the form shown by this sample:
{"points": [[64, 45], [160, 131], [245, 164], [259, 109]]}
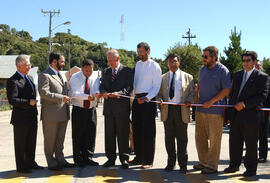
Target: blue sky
{"points": [[160, 23]]}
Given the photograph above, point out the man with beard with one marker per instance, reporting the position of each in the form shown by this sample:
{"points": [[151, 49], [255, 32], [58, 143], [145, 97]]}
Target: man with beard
{"points": [[213, 86], [147, 81], [53, 91]]}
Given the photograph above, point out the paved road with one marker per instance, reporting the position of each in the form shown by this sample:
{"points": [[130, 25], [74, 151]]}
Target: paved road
{"points": [[100, 174]]}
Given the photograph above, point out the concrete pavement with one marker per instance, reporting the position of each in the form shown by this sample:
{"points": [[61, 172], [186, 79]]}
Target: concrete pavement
{"points": [[114, 174]]}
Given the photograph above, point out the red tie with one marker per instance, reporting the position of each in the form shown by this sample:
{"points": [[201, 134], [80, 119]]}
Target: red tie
{"points": [[86, 103]]}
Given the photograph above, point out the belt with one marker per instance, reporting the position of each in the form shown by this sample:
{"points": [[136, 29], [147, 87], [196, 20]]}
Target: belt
{"points": [[140, 95]]}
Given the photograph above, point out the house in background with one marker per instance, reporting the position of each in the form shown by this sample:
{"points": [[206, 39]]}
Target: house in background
{"points": [[8, 68]]}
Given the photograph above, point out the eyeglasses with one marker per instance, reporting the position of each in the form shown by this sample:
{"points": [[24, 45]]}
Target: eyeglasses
{"points": [[204, 56], [246, 60]]}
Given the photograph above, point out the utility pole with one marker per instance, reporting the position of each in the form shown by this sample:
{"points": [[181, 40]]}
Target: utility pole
{"points": [[51, 14], [189, 36], [69, 45]]}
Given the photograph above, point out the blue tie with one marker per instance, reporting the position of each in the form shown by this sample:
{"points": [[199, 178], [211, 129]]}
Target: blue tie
{"points": [[243, 83]]}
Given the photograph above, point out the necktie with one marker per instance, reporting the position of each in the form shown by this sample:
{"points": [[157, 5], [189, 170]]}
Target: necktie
{"points": [[86, 103], [28, 82], [113, 74], [171, 93], [59, 75], [243, 83]]}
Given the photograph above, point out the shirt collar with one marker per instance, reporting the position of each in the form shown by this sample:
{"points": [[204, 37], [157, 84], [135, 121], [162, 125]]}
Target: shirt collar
{"points": [[20, 74], [55, 71], [249, 72], [117, 68], [176, 72]]}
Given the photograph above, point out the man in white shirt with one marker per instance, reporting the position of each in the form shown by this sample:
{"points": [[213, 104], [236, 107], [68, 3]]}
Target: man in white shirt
{"points": [[84, 93], [147, 82], [178, 87]]}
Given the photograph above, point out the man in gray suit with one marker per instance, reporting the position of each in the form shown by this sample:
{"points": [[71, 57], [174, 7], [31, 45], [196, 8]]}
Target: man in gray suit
{"points": [[55, 113]]}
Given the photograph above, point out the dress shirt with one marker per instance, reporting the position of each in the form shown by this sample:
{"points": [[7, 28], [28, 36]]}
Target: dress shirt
{"points": [[55, 71], [177, 86], [147, 78], [77, 85], [249, 73], [117, 68]]}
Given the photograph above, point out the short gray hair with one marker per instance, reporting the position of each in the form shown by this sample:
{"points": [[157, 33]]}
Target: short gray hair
{"points": [[21, 58], [113, 52]]}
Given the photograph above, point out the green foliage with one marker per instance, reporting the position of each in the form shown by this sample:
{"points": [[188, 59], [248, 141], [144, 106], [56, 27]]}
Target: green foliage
{"points": [[14, 42], [266, 66], [190, 56], [4, 105], [233, 53]]}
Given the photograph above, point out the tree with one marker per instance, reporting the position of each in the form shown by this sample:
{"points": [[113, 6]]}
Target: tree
{"points": [[190, 56], [266, 66], [233, 53]]}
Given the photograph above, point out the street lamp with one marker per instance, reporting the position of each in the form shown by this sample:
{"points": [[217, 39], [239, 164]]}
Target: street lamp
{"points": [[50, 35]]}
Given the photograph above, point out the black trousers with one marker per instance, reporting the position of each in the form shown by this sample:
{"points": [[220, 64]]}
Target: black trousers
{"points": [[144, 131], [84, 122], [117, 129], [263, 135], [244, 131], [176, 129], [25, 137]]}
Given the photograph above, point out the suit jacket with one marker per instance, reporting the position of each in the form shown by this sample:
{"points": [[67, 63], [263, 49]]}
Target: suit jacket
{"points": [[253, 94], [188, 94], [51, 91], [19, 94], [123, 84]]}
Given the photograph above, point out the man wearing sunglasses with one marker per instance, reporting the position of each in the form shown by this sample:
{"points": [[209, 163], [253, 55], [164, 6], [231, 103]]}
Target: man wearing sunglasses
{"points": [[213, 86], [249, 91]]}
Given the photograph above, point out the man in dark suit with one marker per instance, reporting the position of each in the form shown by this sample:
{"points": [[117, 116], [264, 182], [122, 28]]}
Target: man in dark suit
{"points": [[116, 80], [249, 91], [21, 95]]}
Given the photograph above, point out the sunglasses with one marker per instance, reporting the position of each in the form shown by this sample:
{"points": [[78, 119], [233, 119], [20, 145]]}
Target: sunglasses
{"points": [[204, 56], [246, 60]]}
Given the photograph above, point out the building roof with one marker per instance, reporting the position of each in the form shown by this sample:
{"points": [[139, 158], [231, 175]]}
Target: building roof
{"points": [[8, 67]]}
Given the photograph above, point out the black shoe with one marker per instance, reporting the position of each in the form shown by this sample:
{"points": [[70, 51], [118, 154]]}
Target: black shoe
{"points": [[35, 166], [198, 166], [262, 160], [91, 162], [24, 171], [108, 164], [207, 170], [56, 168], [183, 170], [80, 164], [249, 174], [124, 165], [231, 170], [135, 162], [68, 165], [169, 168]]}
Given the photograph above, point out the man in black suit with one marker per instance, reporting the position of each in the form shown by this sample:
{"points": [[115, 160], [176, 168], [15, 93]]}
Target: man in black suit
{"points": [[249, 91], [116, 80], [21, 95]]}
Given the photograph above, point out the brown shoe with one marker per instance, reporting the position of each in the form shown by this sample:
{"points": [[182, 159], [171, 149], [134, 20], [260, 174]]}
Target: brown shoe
{"points": [[198, 166], [146, 166]]}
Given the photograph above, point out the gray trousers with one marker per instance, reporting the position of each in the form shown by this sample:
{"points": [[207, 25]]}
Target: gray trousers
{"points": [[54, 136]]}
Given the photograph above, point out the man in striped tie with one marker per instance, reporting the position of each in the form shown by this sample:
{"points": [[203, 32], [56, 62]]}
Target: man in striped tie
{"points": [[116, 80]]}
